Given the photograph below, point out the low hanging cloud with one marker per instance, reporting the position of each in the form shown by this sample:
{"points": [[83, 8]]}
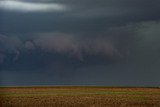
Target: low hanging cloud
{"points": [[9, 45], [22, 6], [113, 43], [65, 44], [28, 45], [73, 45]]}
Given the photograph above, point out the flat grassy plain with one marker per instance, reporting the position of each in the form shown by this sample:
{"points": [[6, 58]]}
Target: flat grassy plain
{"points": [[71, 96]]}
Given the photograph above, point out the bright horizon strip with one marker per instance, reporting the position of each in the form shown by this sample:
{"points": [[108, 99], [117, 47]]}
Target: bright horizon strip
{"points": [[22, 6]]}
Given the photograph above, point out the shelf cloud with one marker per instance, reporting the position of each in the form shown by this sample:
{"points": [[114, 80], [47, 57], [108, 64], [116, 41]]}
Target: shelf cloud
{"points": [[31, 7]]}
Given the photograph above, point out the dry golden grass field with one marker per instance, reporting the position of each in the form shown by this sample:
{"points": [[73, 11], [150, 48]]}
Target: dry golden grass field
{"points": [[79, 97]]}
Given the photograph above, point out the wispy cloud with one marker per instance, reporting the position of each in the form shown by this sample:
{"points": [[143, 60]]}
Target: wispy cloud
{"points": [[22, 6]]}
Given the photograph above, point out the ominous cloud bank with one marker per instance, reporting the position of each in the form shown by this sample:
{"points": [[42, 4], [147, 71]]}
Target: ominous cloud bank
{"points": [[87, 42]]}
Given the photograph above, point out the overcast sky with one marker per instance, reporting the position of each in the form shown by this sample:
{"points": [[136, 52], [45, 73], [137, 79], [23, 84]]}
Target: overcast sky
{"points": [[80, 42]]}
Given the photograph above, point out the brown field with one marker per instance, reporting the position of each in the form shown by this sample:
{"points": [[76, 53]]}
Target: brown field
{"points": [[79, 97]]}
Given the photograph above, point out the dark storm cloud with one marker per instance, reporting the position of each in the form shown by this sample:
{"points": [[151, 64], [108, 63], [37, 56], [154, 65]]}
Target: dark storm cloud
{"points": [[114, 42], [80, 16], [60, 43], [9, 45], [64, 48], [71, 44]]}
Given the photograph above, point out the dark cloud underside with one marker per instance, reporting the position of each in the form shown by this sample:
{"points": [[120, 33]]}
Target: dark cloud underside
{"points": [[87, 42]]}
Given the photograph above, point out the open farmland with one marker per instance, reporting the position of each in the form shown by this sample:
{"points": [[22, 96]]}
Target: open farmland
{"points": [[79, 97]]}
